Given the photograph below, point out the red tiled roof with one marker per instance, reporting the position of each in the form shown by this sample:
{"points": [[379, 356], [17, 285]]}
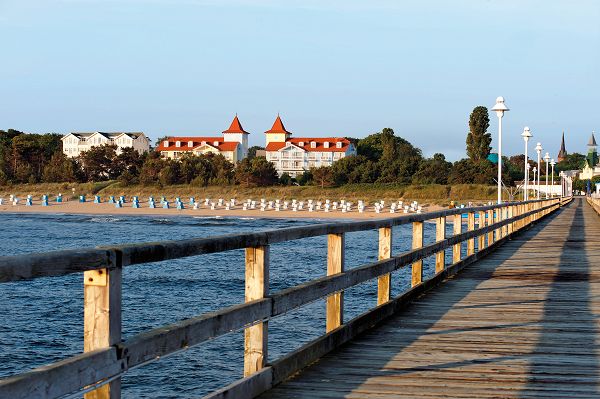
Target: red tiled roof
{"points": [[278, 127], [319, 144], [222, 145], [235, 127]]}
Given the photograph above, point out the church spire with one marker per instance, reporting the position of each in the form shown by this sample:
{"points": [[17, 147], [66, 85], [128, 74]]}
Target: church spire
{"points": [[562, 154]]}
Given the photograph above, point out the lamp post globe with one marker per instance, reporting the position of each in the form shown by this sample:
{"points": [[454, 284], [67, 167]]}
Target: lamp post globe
{"points": [[526, 136], [552, 163], [546, 161], [500, 108], [538, 149]]}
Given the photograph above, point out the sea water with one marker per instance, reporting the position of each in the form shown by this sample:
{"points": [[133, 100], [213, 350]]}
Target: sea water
{"points": [[42, 319]]}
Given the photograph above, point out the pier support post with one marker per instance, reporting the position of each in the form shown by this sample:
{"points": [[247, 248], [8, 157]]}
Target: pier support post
{"points": [[384, 286], [456, 230], [417, 242], [481, 238], [102, 319], [471, 227], [440, 235], [335, 264], [256, 337]]}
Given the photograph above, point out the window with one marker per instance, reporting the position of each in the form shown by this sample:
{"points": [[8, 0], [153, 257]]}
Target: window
{"points": [[190, 143], [216, 143], [178, 144], [166, 143], [313, 144], [203, 143], [326, 144], [301, 144], [338, 144]]}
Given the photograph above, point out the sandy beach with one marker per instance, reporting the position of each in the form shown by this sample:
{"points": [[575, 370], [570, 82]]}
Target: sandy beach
{"points": [[75, 207]]}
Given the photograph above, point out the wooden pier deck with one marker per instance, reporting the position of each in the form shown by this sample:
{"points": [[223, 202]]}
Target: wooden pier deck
{"points": [[522, 322]]}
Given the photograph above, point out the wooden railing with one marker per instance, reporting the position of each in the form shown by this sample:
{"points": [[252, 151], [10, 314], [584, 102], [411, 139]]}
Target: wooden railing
{"points": [[594, 203], [107, 357]]}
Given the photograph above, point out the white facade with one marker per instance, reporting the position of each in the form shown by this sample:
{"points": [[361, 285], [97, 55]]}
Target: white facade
{"points": [[294, 159], [75, 143]]}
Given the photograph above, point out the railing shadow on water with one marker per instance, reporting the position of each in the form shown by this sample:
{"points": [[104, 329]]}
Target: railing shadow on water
{"points": [[568, 301]]}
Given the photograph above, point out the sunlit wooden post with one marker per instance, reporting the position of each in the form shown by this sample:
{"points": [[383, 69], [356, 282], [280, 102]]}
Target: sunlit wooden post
{"points": [[335, 265], [417, 242], [511, 226], [456, 230], [480, 224], [498, 218], [490, 221], [384, 286], [470, 227], [256, 337], [504, 230], [440, 235], [102, 319]]}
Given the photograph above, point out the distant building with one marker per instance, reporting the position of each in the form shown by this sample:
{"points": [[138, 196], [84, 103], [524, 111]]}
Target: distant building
{"points": [[591, 167], [295, 155], [562, 154], [233, 144], [75, 143]]}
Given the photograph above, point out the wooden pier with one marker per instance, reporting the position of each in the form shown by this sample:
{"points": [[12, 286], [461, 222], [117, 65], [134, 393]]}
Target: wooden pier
{"points": [[518, 322]]}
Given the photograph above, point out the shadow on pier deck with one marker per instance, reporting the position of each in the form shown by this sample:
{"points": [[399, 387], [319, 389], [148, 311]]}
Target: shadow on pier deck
{"points": [[522, 323]]}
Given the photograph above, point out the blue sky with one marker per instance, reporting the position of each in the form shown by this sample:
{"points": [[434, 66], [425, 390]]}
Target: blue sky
{"points": [[169, 67]]}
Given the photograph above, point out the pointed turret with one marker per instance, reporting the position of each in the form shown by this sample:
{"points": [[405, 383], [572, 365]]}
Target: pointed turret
{"points": [[235, 127], [562, 154], [236, 133], [277, 133], [592, 142]]}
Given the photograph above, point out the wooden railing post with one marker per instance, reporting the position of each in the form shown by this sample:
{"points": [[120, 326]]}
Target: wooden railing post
{"points": [[384, 286], [490, 221], [440, 235], [471, 227], [480, 224], [497, 219], [457, 229], [335, 264], [102, 319], [417, 242], [504, 229], [511, 226], [256, 337]]}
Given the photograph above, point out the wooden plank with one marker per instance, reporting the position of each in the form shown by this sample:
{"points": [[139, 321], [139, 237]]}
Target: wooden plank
{"points": [[335, 265], [470, 227], [384, 286], [102, 320], [440, 235], [256, 337], [417, 242]]}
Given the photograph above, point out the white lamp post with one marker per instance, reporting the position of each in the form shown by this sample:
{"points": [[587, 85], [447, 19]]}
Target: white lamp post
{"points": [[526, 136], [538, 149], [533, 182], [546, 160], [562, 184], [552, 163], [500, 108]]}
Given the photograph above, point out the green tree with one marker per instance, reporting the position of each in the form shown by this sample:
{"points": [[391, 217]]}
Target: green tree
{"points": [[478, 140], [255, 172], [150, 171], [252, 151], [434, 170], [98, 163], [573, 161], [285, 179], [322, 176], [59, 169]]}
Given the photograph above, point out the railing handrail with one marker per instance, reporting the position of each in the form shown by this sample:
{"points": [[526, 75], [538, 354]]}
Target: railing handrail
{"points": [[97, 367], [62, 262]]}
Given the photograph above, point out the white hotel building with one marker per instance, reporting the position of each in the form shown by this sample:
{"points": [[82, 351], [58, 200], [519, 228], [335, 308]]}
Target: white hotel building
{"points": [[75, 143], [295, 155]]}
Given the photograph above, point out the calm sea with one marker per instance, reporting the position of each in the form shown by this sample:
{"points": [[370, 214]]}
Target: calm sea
{"points": [[41, 320]]}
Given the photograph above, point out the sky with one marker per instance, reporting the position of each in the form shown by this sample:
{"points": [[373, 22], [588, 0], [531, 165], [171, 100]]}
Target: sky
{"points": [[330, 68]]}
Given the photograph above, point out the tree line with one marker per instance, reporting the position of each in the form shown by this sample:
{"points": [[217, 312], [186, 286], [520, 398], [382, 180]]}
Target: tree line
{"points": [[382, 157]]}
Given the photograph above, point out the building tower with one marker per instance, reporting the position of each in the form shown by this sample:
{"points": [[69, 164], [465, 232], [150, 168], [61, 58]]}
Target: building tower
{"points": [[592, 155], [236, 133], [277, 134], [562, 154]]}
